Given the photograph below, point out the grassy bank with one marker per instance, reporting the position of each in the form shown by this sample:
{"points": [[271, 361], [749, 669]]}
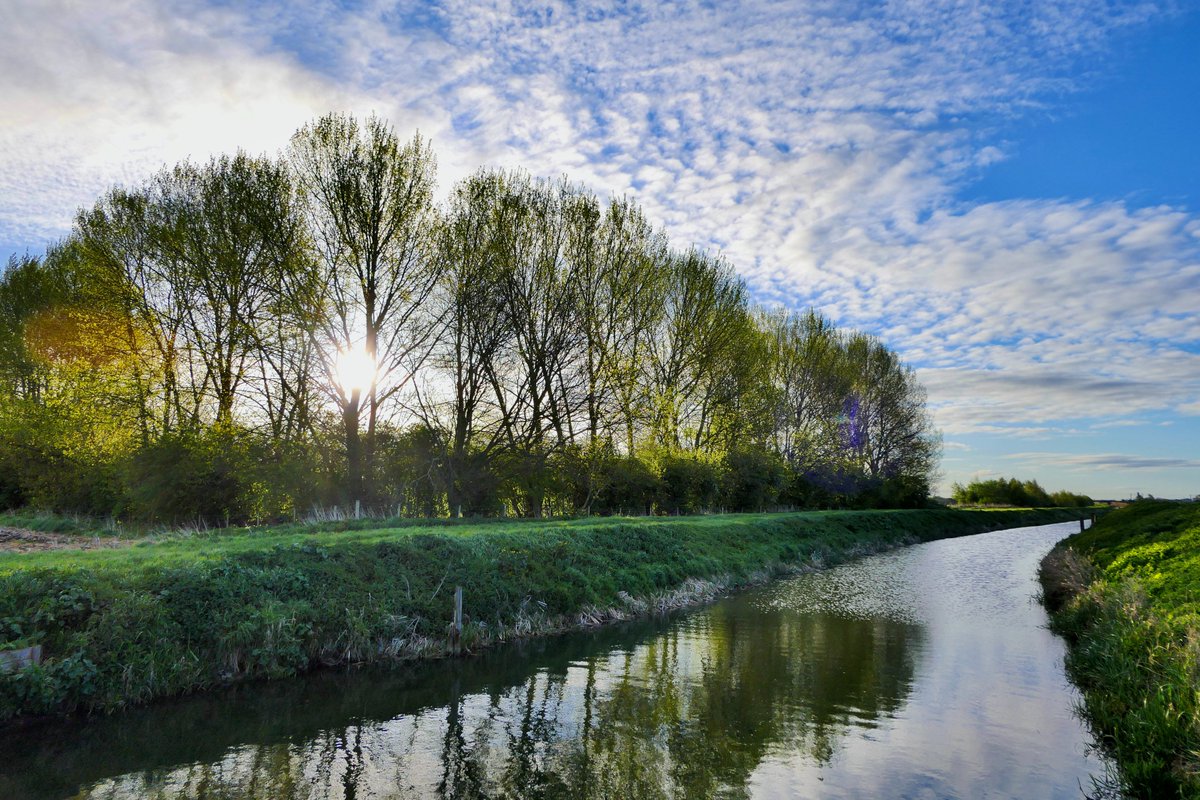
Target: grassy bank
{"points": [[160, 617], [1126, 594]]}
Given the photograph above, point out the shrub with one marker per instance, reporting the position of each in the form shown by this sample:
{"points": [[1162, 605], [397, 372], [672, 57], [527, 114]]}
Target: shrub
{"points": [[44, 476], [687, 484], [409, 478], [624, 485], [218, 476], [753, 479]]}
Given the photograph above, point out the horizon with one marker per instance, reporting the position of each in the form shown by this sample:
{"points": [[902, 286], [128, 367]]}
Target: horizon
{"points": [[1007, 201]]}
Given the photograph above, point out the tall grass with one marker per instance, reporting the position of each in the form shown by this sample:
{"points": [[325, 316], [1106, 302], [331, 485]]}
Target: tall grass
{"points": [[1124, 595]]}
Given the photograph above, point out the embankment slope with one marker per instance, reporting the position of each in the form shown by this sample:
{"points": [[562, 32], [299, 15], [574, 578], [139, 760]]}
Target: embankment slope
{"points": [[1126, 595], [126, 625]]}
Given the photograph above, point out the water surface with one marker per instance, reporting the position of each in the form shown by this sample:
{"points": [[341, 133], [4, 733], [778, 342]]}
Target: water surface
{"points": [[921, 673]]}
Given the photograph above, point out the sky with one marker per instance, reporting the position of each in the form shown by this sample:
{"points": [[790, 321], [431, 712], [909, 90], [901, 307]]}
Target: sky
{"points": [[1007, 193]]}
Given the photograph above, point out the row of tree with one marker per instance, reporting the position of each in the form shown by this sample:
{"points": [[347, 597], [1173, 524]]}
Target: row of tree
{"points": [[1012, 492], [250, 336]]}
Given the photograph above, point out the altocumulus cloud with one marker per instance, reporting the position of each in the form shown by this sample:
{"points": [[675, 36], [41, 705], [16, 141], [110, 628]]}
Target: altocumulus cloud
{"points": [[822, 146]]}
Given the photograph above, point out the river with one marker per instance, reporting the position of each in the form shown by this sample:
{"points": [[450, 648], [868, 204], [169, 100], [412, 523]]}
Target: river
{"points": [[925, 672]]}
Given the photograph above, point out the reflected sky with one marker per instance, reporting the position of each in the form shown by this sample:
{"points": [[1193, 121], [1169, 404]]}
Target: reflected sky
{"points": [[920, 673], [989, 714]]}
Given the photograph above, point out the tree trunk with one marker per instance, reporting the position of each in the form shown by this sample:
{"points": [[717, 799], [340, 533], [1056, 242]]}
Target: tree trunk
{"points": [[354, 466]]}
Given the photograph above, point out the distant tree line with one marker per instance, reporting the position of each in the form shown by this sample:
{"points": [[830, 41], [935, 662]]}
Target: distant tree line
{"points": [[188, 351], [1012, 492]]}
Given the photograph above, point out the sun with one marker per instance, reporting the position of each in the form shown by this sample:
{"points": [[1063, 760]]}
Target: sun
{"points": [[356, 369]]}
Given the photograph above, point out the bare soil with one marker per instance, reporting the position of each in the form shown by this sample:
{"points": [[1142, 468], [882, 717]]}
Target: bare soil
{"points": [[20, 540]]}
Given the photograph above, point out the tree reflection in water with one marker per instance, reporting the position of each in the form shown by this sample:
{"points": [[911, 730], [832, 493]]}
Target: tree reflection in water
{"points": [[669, 709]]}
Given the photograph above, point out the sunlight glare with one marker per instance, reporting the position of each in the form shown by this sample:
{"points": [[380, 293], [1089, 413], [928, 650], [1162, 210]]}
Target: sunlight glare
{"points": [[356, 369]]}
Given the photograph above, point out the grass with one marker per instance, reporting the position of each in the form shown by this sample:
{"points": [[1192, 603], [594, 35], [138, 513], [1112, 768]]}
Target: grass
{"points": [[45, 522], [1126, 594], [182, 612]]}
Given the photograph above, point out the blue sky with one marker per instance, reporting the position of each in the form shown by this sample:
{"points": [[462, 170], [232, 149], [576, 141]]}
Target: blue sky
{"points": [[1007, 193]]}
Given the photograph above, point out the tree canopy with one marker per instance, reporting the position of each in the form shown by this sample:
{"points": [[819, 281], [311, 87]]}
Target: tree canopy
{"points": [[1012, 492], [531, 349]]}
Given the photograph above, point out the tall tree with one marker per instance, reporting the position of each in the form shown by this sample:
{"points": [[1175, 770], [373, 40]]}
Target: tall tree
{"points": [[812, 382], [621, 263], [539, 287], [888, 429], [26, 288], [120, 237], [369, 202], [232, 234], [470, 301], [700, 337]]}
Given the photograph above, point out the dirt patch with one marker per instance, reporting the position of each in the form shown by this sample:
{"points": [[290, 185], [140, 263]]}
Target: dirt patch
{"points": [[19, 540]]}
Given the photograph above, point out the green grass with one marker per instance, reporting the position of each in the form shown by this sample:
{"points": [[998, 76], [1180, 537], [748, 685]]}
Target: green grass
{"points": [[172, 615], [175, 547], [1127, 597], [1156, 544]]}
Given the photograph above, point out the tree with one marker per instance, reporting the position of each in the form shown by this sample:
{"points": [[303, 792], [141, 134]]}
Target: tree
{"points": [[119, 238], [888, 429], [470, 302], [811, 383], [369, 204], [232, 236], [525, 347], [620, 263], [700, 337]]}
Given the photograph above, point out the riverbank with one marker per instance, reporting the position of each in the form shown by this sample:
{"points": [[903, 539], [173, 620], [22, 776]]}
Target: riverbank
{"points": [[1124, 594], [125, 625]]}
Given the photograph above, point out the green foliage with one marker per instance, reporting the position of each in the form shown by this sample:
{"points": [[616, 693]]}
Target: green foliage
{"points": [[1012, 492], [753, 479], [217, 475], [54, 457], [1065, 499], [624, 485], [1133, 623], [408, 477], [687, 484], [904, 491], [188, 477]]}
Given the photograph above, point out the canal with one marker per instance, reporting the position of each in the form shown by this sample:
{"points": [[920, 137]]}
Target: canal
{"points": [[920, 673]]}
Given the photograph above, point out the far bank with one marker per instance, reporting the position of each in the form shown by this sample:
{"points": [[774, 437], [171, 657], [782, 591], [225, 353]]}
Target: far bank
{"points": [[125, 625]]}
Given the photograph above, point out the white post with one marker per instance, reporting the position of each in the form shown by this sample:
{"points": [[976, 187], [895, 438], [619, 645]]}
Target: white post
{"points": [[456, 635]]}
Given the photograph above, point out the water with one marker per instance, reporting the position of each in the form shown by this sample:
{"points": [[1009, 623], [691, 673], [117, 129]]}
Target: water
{"points": [[921, 673]]}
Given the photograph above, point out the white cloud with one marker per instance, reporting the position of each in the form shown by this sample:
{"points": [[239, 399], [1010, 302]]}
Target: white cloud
{"points": [[1105, 461], [102, 93], [1119, 423]]}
